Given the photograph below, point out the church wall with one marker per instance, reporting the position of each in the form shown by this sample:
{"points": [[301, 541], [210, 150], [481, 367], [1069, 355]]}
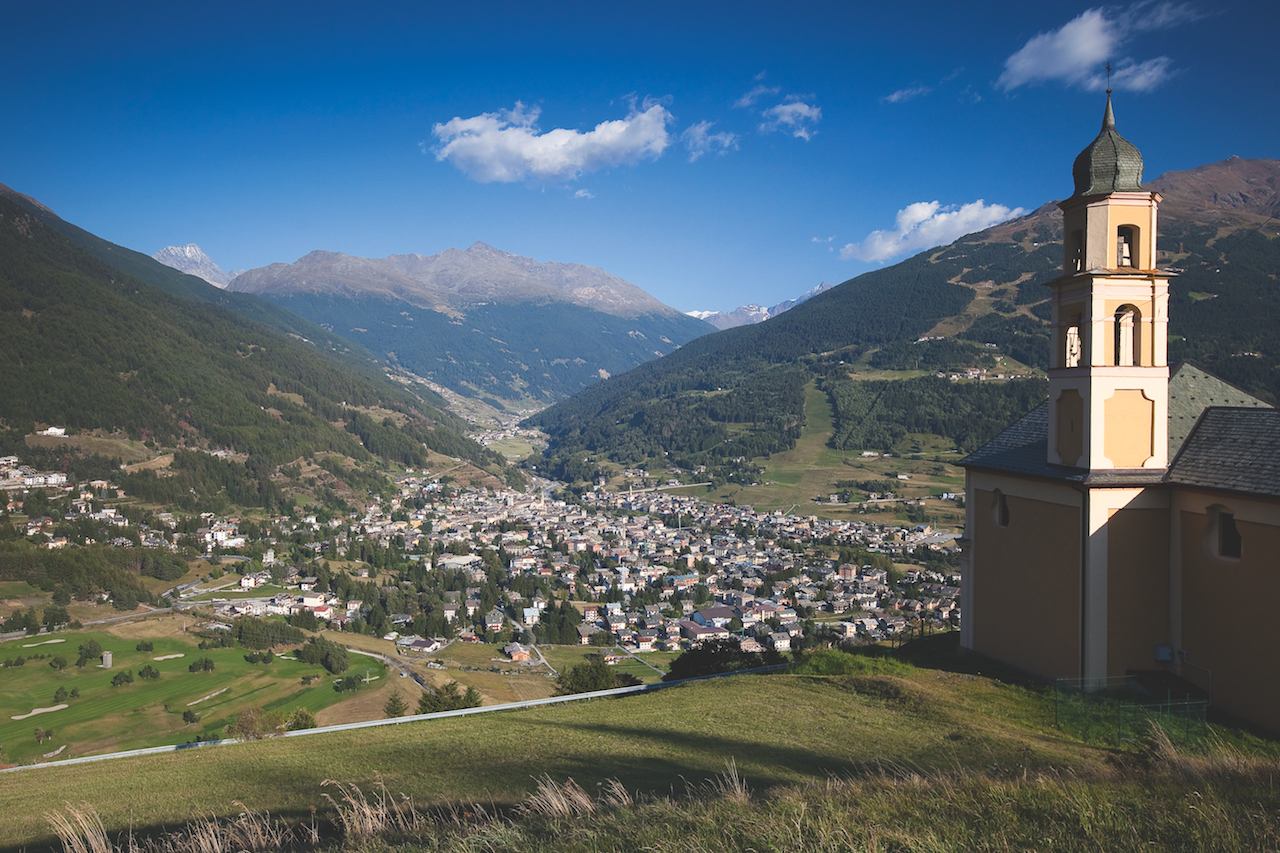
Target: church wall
{"points": [[1137, 588], [1228, 621], [1025, 576]]}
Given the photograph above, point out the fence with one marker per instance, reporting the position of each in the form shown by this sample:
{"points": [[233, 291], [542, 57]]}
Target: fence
{"points": [[1122, 709]]}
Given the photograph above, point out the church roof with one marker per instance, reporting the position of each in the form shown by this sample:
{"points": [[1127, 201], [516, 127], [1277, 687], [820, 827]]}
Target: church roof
{"points": [[1215, 430], [1110, 163], [1191, 391], [1234, 450]]}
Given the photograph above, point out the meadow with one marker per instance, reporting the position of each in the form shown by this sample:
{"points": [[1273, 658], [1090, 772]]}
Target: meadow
{"points": [[145, 712], [844, 753]]}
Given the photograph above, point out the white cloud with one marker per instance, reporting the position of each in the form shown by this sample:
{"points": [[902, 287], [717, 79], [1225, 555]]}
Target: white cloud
{"points": [[794, 117], [699, 141], [507, 146], [926, 224], [584, 194], [1076, 53], [756, 94], [822, 239], [907, 94]]}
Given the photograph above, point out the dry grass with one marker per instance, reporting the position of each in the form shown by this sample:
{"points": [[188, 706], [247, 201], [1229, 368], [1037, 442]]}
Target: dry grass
{"points": [[729, 785], [1160, 799], [81, 831], [359, 817]]}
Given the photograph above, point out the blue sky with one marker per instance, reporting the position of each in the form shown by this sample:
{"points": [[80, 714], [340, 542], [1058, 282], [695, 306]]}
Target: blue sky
{"points": [[714, 154]]}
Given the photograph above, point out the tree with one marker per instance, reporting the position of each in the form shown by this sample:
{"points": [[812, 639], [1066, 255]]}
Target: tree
{"points": [[58, 663], [89, 650], [43, 735], [60, 695], [256, 724], [448, 698], [300, 718], [590, 675], [715, 656], [395, 706], [189, 717]]}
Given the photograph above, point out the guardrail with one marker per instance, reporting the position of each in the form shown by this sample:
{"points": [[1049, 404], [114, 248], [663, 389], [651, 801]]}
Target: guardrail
{"points": [[395, 721]]}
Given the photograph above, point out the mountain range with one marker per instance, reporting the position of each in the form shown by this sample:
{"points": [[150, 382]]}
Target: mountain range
{"points": [[739, 393], [745, 315], [481, 322], [91, 346]]}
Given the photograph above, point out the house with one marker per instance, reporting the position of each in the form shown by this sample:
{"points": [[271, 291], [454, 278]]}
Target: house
{"points": [[1098, 524], [516, 651], [718, 616]]}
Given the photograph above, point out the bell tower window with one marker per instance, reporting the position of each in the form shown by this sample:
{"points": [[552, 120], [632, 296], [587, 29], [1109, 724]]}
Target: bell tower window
{"points": [[1127, 332], [1126, 246], [1073, 343]]}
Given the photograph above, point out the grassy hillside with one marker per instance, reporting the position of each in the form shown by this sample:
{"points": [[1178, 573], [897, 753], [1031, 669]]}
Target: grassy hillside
{"points": [[868, 752]]}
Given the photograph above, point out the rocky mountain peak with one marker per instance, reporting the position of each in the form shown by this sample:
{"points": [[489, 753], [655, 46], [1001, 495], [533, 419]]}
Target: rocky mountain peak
{"points": [[192, 260]]}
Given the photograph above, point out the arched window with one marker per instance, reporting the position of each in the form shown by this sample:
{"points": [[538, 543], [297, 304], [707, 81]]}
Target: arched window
{"points": [[1073, 343], [1126, 246], [1128, 330]]}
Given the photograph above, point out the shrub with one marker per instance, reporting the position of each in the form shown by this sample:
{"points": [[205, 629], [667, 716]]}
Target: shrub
{"points": [[255, 724], [850, 662], [300, 718]]}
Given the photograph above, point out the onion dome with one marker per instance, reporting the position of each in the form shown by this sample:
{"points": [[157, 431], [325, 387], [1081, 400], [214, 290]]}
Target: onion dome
{"points": [[1110, 164]]}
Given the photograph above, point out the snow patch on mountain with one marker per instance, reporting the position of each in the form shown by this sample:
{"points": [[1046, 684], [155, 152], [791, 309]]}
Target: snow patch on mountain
{"points": [[745, 315], [192, 260]]}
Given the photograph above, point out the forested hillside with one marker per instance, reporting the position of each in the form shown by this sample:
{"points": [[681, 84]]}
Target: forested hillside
{"points": [[739, 393], [90, 348]]}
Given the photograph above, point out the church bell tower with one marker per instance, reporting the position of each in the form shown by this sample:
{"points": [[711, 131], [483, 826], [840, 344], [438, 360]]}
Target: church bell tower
{"points": [[1108, 367]]}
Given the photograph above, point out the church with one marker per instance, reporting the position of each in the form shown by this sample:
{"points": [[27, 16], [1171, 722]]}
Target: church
{"points": [[1131, 522]]}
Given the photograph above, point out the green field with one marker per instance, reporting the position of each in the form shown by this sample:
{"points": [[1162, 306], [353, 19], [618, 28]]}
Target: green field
{"points": [[876, 755], [831, 726], [108, 718]]}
